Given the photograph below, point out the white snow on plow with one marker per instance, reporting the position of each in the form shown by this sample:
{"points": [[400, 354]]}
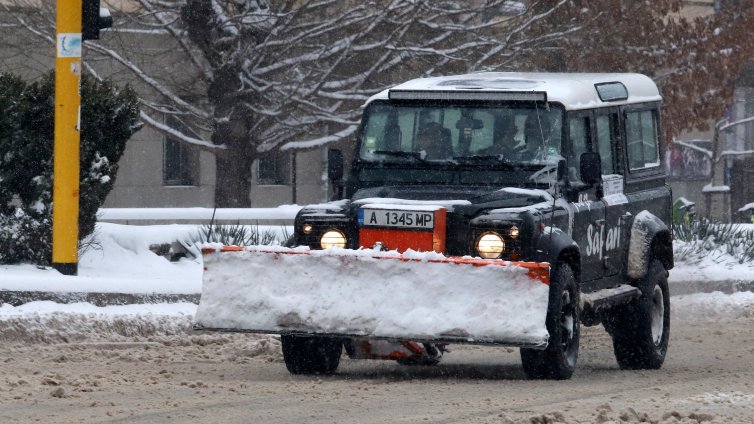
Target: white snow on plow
{"points": [[363, 293]]}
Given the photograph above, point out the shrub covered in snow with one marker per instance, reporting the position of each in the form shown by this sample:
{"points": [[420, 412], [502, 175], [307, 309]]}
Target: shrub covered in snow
{"points": [[109, 116], [701, 238], [240, 235]]}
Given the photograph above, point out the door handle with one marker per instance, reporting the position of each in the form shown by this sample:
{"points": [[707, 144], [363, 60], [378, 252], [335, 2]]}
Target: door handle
{"points": [[599, 222]]}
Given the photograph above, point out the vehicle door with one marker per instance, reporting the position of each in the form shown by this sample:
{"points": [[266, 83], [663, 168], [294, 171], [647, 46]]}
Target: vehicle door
{"points": [[617, 215], [644, 185], [588, 210]]}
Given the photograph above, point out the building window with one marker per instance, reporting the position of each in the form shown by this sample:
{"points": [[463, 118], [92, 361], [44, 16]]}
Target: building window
{"points": [[180, 161], [273, 169]]}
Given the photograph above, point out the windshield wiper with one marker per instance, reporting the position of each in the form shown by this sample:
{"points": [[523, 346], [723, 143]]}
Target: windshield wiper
{"points": [[400, 154], [491, 159]]}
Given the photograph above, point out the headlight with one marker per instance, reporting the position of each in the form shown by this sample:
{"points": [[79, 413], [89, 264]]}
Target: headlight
{"points": [[490, 245], [332, 238]]}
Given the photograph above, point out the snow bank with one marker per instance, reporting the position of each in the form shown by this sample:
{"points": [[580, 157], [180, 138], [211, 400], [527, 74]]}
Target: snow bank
{"points": [[118, 260], [360, 293], [713, 305], [42, 308], [50, 322]]}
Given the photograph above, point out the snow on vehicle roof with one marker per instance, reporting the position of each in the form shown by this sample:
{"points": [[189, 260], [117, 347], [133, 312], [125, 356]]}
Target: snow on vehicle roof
{"points": [[574, 91]]}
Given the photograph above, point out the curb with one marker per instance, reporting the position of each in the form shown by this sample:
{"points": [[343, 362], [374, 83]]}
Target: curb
{"points": [[678, 288], [17, 298]]}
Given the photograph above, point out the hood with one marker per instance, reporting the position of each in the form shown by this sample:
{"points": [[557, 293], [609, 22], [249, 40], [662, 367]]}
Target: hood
{"points": [[471, 198]]}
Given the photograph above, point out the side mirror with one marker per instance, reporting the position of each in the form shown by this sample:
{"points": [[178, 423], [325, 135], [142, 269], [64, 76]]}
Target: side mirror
{"points": [[334, 165], [591, 167]]}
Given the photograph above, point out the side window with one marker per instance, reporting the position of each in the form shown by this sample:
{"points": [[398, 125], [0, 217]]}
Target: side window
{"points": [[606, 126], [579, 135], [376, 134], [641, 138]]}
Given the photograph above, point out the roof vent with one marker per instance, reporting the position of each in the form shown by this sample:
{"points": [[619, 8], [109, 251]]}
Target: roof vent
{"points": [[494, 84], [611, 91]]}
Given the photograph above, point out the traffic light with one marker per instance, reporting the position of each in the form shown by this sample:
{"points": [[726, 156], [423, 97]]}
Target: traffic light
{"points": [[93, 19]]}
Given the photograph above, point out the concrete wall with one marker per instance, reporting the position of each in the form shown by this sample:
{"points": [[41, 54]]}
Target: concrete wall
{"points": [[139, 182], [311, 185]]}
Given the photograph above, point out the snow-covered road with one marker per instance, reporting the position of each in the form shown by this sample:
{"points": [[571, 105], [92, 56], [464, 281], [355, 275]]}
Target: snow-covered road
{"points": [[111, 365]]}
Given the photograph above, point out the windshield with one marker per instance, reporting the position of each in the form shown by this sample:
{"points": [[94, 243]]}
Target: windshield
{"points": [[461, 133]]}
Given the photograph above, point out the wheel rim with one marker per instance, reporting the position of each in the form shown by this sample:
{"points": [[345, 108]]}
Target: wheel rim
{"points": [[568, 325], [657, 315]]}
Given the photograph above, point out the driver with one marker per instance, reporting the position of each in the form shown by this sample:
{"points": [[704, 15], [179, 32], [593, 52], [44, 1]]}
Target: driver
{"points": [[504, 141], [537, 128], [433, 140]]}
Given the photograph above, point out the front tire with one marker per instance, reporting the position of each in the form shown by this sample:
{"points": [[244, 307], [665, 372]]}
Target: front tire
{"points": [[311, 354], [641, 329], [558, 360]]}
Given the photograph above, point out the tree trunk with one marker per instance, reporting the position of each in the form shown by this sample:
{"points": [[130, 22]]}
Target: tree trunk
{"points": [[233, 165], [233, 179]]}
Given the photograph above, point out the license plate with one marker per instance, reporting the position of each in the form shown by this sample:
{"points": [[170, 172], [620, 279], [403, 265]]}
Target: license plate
{"points": [[422, 220]]}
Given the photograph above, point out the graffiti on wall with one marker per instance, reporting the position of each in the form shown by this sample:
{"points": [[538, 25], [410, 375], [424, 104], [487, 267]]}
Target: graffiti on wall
{"points": [[684, 163]]}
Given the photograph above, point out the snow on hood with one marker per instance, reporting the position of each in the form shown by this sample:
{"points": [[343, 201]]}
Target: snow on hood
{"points": [[547, 197], [410, 204], [450, 197], [434, 194], [531, 200]]}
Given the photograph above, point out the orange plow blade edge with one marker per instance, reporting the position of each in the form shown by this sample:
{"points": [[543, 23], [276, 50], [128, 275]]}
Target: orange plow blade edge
{"points": [[384, 295]]}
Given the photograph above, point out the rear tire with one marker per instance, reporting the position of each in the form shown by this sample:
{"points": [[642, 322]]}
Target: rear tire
{"points": [[641, 329], [558, 360], [311, 354]]}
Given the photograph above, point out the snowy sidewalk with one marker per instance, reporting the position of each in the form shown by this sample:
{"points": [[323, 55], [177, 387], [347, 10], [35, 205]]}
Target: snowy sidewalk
{"points": [[118, 268]]}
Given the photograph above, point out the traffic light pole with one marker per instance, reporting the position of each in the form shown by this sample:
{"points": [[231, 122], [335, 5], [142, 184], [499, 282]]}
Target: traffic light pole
{"points": [[65, 196]]}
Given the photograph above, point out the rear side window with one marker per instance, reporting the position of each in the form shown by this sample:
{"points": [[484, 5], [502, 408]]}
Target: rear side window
{"points": [[605, 139], [641, 137]]}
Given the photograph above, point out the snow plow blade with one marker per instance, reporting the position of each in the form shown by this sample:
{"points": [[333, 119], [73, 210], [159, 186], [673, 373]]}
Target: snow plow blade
{"points": [[415, 296]]}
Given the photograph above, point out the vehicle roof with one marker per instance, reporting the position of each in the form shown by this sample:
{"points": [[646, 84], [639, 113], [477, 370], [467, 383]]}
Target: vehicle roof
{"points": [[573, 90]]}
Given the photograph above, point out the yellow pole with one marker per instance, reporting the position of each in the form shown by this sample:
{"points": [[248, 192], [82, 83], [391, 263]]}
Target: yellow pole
{"points": [[65, 195]]}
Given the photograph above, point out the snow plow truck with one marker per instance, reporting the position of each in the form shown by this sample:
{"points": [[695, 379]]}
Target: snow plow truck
{"points": [[494, 208]]}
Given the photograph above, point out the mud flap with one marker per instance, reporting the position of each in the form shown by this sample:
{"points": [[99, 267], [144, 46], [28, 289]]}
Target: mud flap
{"points": [[411, 296]]}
